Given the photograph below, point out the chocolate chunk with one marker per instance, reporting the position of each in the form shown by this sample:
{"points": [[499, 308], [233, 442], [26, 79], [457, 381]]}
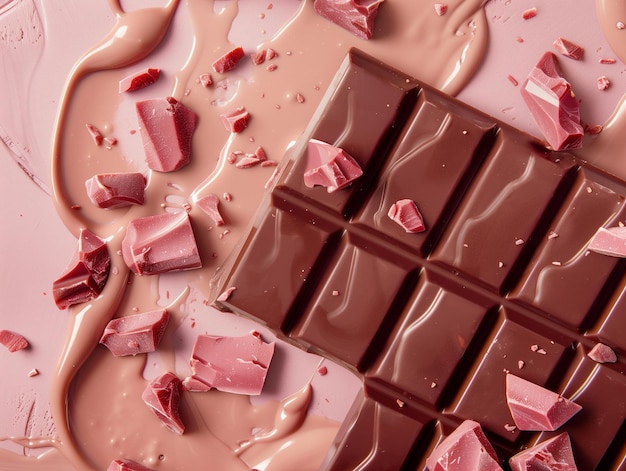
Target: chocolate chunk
{"points": [[135, 334], [116, 190], [162, 396], [433, 321], [555, 453]]}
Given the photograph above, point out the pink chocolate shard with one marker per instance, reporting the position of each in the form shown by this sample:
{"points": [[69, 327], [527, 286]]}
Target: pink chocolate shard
{"points": [[127, 465], [159, 244], [162, 395], [229, 60], [87, 273], [12, 341], [329, 166], [166, 128], [553, 454], [139, 80], [465, 449], [235, 120], [536, 408], [116, 190], [210, 205], [406, 214], [569, 49], [602, 353], [609, 241], [230, 364], [553, 105], [356, 16], [135, 334]]}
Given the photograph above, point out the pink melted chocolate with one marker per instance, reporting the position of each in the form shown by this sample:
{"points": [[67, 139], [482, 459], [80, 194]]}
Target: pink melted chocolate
{"points": [[95, 398]]}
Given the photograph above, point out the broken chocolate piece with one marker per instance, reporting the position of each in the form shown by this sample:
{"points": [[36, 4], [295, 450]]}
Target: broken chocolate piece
{"points": [[12, 341], [229, 60], [406, 213], [230, 364], [569, 49], [609, 241], [235, 120], [160, 243], [166, 127], [553, 105], [602, 353], [553, 454], [536, 408], [139, 80], [162, 396], [127, 465], [116, 190], [210, 205], [356, 16], [329, 166], [465, 449], [87, 273], [135, 334]]}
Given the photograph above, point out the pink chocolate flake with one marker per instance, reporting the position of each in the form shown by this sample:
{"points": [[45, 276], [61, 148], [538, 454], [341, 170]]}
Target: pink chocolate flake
{"points": [[536, 408], [569, 49], [159, 244], [127, 465], [603, 83], [166, 128], [259, 57], [356, 16], [441, 8], [406, 214], [329, 166], [555, 453], [467, 448], [602, 353], [229, 60], [210, 205], [86, 274], [116, 190], [95, 134], [206, 80], [135, 334], [230, 364], [235, 120], [609, 241], [139, 80], [553, 105], [530, 13], [12, 341], [162, 395]]}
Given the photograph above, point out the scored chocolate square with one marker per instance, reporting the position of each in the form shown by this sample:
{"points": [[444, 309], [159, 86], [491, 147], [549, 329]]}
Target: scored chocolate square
{"points": [[499, 281]]}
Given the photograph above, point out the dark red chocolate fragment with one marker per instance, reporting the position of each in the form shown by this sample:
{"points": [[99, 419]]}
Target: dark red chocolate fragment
{"points": [[127, 465], [553, 105], [162, 396], [356, 16], [433, 321], [116, 190], [139, 80], [166, 127], [135, 334], [553, 454], [160, 243], [235, 120], [229, 60], [12, 341], [86, 274]]}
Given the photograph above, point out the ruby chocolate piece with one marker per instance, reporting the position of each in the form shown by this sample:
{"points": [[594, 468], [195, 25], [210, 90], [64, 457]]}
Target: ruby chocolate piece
{"points": [[555, 453], [602, 353], [166, 127], [210, 205], [356, 16], [501, 279], [569, 49], [535, 408], [12, 341], [138, 333], [116, 190], [229, 60], [465, 449], [609, 241], [406, 213], [329, 167], [553, 105], [86, 274], [235, 120], [230, 364], [127, 465], [139, 80], [162, 396], [160, 244]]}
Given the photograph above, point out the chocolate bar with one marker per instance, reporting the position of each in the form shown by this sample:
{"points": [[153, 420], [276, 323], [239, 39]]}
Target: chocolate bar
{"points": [[499, 281]]}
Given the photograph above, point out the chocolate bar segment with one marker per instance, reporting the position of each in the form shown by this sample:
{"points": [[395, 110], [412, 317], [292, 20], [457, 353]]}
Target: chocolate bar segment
{"points": [[499, 281]]}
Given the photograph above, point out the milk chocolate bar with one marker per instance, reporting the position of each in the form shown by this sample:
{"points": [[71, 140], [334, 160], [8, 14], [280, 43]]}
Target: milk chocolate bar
{"points": [[499, 281]]}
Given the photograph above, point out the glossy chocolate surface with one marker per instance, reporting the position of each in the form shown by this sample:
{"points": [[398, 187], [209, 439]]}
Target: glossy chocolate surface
{"points": [[500, 280]]}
